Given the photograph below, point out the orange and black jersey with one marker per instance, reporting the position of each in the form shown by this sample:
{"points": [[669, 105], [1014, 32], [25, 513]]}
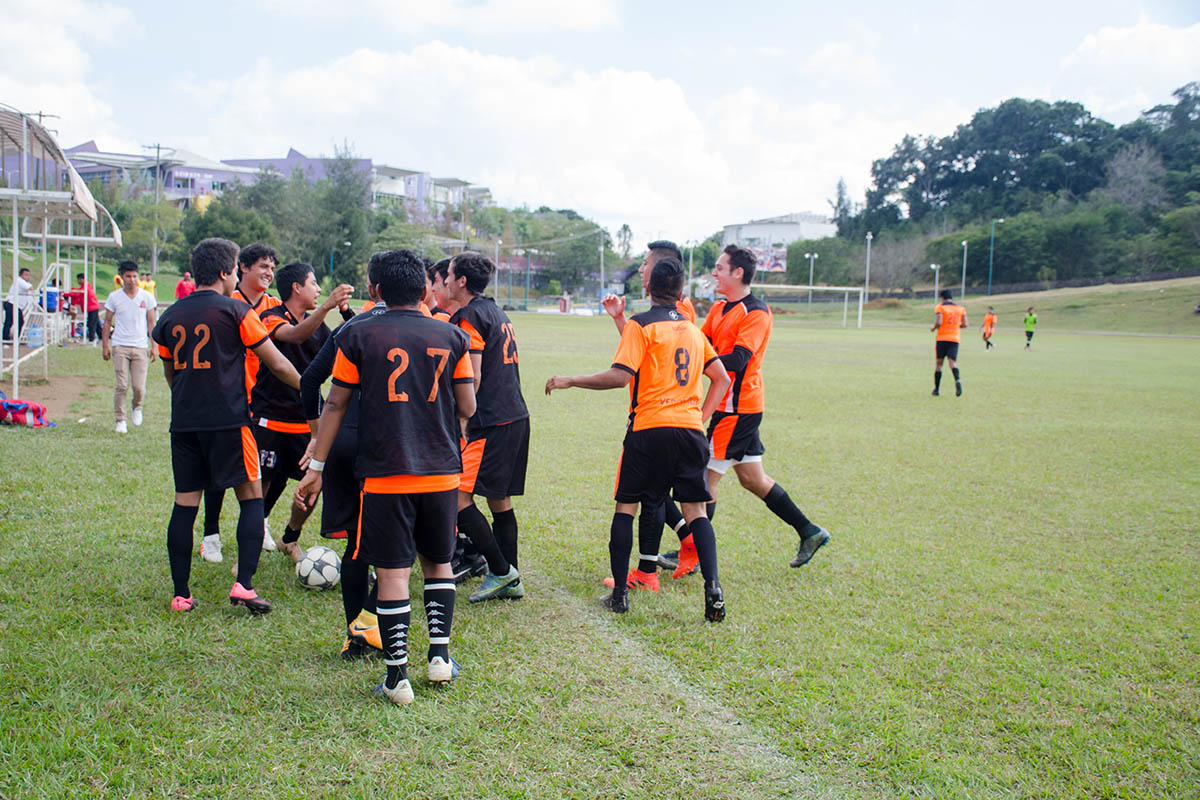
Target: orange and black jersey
{"points": [[206, 337], [264, 304], [272, 399], [684, 306], [740, 331], [405, 366], [954, 318], [437, 312], [666, 354], [498, 399]]}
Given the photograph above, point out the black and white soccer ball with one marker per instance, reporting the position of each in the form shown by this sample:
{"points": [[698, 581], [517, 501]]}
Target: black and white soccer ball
{"points": [[320, 568]]}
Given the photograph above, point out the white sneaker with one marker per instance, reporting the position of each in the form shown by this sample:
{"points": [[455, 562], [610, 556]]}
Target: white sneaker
{"points": [[137, 416], [122, 427], [441, 671], [402, 695], [268, 542], [210, 548]]}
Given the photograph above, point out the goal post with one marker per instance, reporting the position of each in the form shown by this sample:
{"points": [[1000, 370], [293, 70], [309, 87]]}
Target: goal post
{"points": [[805, 295]]}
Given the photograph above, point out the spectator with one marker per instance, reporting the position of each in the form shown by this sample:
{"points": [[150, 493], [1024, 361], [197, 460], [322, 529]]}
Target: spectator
{"points": [[185, 286], [91, 305], [21, 297], [129, 311]]}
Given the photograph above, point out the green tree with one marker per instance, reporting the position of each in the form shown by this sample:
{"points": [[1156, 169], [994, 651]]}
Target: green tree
{"points": [[228, 221]]}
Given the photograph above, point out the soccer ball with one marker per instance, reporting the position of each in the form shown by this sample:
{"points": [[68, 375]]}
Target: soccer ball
{"points": [[320, 568]]}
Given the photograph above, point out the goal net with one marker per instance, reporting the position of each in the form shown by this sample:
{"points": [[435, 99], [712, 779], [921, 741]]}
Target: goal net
{"points": [[821, 303]]}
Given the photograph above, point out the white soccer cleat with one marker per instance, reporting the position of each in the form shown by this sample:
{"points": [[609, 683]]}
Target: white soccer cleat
{"points": [[136, 417], [268, 542], [441, 671], [402, 695], [210, 548], [122, 427]]}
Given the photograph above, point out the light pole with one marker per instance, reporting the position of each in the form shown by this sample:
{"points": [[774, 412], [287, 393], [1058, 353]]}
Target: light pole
{"points": [[962, 293], [991, 252], [691, 248], [867, 280], [936, 274], [601, 270], [347, 244], [811, 258], [496, 283]]}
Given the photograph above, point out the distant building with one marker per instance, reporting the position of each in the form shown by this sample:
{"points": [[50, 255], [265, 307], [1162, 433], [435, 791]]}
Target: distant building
{"points": [[185, 175], [769, 237]]}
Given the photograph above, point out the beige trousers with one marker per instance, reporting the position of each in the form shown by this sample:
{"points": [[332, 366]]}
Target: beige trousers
{"points": [[129, 362]]}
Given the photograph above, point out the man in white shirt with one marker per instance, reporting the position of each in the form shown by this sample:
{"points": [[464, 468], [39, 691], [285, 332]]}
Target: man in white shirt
{"points": [[129, 313], [21, 298]]}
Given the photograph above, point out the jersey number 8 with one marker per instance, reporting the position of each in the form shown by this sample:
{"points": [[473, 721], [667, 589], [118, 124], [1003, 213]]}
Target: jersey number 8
{"points": [[683, 362]]}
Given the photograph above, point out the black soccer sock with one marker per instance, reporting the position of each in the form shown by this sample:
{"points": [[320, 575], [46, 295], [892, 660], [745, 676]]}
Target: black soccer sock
{"points": [[620, 543], [672, 517], [213, 499], [650, 526], [782, 506], [474, 524], [705, 540], [937, 379], [372, 601], [394, 616], [273, 493], [710, 510], [504, 527], [290, 535], [439, 613], [179, 547], [249, 539], [354, 584], [955, 371]]}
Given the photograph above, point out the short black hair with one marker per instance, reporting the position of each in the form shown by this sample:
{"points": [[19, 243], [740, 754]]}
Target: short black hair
{"points": [[742, 258], [946, 294], [253, 252], [211, 258], [78, 275], [285, 278], [440, 267], [665, 248], [666, 281], [23, 270], [127, 266], [400, 276], [476, 267]]}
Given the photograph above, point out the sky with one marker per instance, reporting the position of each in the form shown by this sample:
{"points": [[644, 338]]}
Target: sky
{"points": [[673, 117]]}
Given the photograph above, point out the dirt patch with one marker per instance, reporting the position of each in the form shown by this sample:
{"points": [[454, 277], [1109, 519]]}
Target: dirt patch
{"points": [[56, 394]]}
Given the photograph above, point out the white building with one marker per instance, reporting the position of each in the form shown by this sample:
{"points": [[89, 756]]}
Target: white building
{"points": [[780, 231]]}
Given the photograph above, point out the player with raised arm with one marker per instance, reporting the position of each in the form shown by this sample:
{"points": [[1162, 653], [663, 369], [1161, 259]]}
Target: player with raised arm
{"points": [[989, 327], [255, 271], [496, 451], [739, 327], [203, 340], [414, 378], [949, 318], [652, 518], [664, 449]]}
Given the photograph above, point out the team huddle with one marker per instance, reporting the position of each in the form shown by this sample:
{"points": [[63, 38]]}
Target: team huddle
{"points": [[425, 412]]}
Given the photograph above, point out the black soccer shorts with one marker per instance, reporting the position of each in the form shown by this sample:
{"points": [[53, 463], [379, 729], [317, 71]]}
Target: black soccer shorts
{"points": [[394, 528], [213, 459], [280, 453], [495, 459], [339, 487], [947, 350], [655, 461]]}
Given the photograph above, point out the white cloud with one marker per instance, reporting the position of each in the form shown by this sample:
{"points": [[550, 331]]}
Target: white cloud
{"points": [[1119, 72], [489, 17], [44, 65], [835, 63]]}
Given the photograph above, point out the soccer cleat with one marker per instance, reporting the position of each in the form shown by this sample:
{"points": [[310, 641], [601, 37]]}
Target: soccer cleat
{"points": [[367, 636], [442, 672], [514, 591], [616, 603], [402, 695], [637, 580], [958, 388], [210, 548], [136, 416], [809, 545], [493, 584], [352, 650], [935, 393], [714, 601], [689, 559], [268, 542], [292, 549], [461, 570], [668, 560], [479, 566], [183, 603], [240, 596], [122, 427]]}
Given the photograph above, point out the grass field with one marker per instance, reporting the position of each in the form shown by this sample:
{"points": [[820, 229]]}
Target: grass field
{"points": [[1009, 606]]}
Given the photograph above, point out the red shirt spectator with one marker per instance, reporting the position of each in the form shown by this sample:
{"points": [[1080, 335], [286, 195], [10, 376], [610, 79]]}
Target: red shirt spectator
{"points": [[77, 294], [184, 287]]}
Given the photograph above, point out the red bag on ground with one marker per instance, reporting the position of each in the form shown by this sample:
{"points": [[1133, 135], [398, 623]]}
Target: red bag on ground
{"points": [[23, 412]]}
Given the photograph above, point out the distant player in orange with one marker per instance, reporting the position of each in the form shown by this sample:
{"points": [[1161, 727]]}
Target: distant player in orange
{"points": [[949, 318], [989, 325]]}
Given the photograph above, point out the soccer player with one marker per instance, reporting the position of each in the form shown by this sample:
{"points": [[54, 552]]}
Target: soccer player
{"points": [[497, 435], [281, 428], [949, 318], [989, 325], [651, 519], [739, 328], [203, 340], [441, 307], [664, 448], [1030, 324], [256, 270], [414, 376]]}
